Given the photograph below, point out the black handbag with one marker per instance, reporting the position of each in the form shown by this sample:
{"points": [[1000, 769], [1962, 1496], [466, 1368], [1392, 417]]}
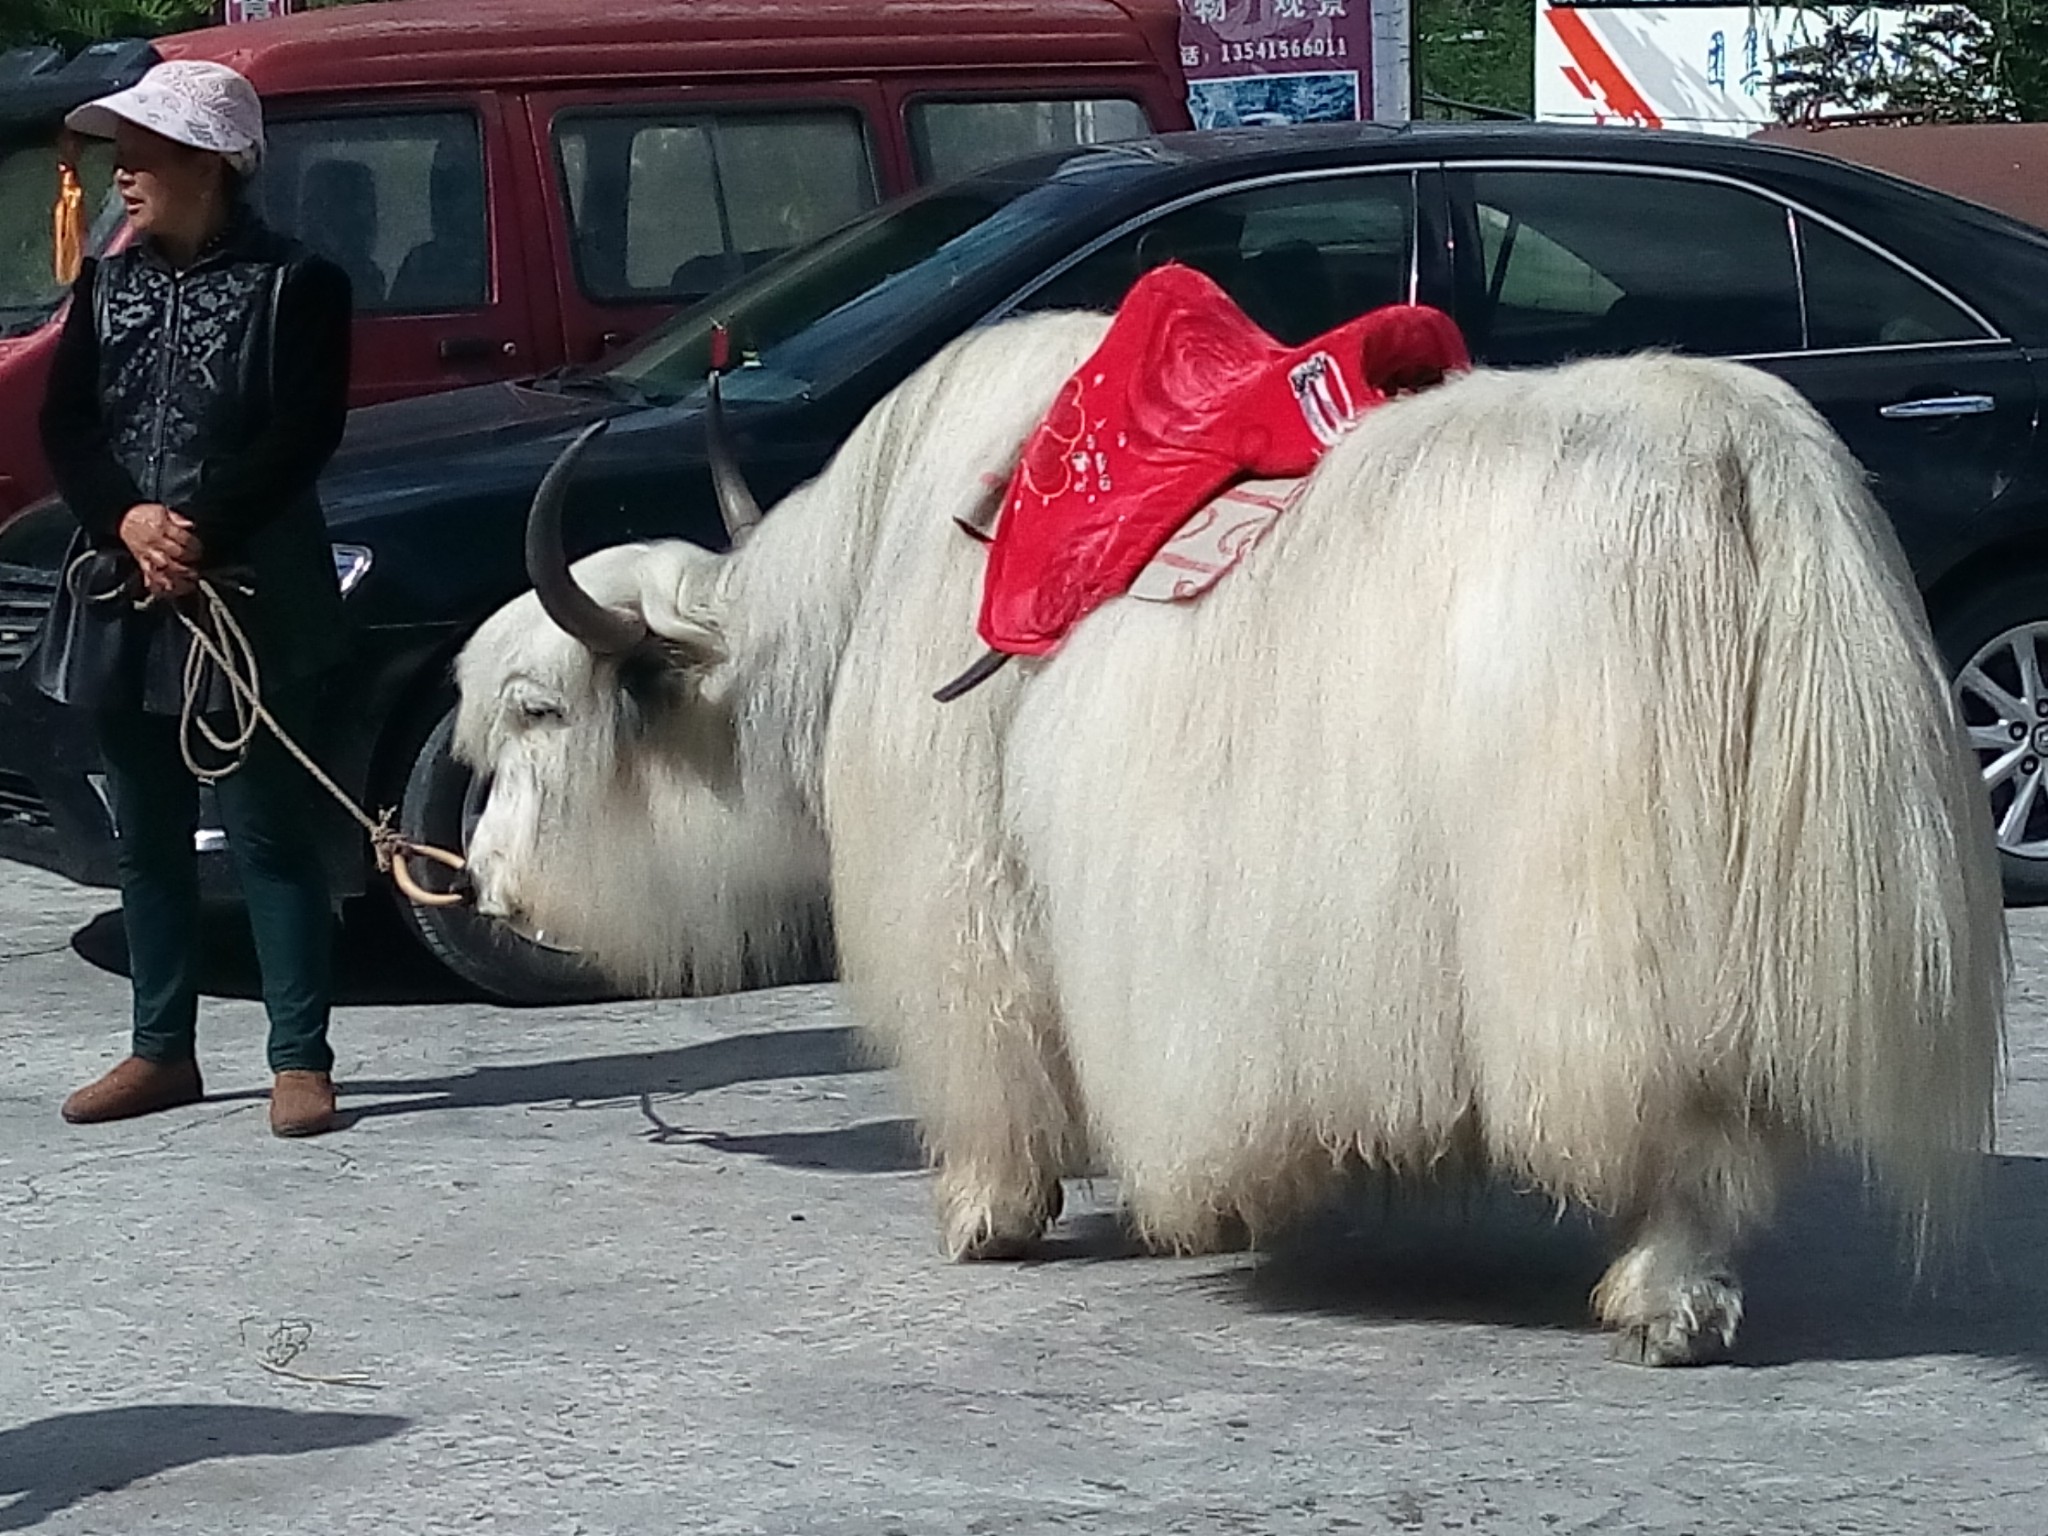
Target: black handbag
{"points": [[101, 647], [88, 652]]}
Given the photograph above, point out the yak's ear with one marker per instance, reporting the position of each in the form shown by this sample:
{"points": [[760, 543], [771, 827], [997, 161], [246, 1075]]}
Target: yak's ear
{"points": [[693, 637], [678, 594]]}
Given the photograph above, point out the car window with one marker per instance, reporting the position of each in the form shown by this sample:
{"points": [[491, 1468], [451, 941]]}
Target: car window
{"points": [[956, 138], [396, 200], [818, 316], [677, 205], [1856, 297], [1591, 263], [1299, 258]]}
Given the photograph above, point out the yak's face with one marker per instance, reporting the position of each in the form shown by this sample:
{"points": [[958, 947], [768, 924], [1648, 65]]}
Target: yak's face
{"points": [[617, 821]]}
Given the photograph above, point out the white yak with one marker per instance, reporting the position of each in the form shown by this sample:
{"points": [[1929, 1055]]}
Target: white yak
{"points": [[1566, 787]]}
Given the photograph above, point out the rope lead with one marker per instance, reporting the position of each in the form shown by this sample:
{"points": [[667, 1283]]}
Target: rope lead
{"points": [[224, 642]]}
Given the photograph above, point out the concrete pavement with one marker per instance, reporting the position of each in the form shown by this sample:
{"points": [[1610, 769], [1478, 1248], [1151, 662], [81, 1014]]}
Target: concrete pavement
{"points": [[671, 1267]]}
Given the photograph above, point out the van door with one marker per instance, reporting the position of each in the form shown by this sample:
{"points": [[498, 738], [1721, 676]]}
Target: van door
{"points": [[410, 198], [656, 198]]}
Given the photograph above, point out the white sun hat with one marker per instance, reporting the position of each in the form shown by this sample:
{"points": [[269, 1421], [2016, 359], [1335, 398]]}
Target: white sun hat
{"points": [[192, 101]]}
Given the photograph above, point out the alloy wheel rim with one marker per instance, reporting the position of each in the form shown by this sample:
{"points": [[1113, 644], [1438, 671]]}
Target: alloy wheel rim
{"points": [[2003, 702]]}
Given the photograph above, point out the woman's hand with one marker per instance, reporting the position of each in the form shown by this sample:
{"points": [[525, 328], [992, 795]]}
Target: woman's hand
{"points": [[165, 548]]}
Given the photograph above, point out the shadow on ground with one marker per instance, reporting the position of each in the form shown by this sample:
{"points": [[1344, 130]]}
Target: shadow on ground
{"points": [[872, 1146], [1831, 1281], [765, 1056], [373, 964], [49, 1465], [376, 962], [1441, 1255]]}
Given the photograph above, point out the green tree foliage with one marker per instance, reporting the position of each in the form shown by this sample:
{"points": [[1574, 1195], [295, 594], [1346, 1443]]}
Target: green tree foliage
{"points": [[1951, 65], [1982, 61], [2021, 27], [71, 24], [1480, 52]]}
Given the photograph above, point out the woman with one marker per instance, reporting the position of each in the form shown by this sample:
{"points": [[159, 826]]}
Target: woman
{"points": [[199, 386]]}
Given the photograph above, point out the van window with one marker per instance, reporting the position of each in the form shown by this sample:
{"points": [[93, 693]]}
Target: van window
{"points": [[677, 205], [956, 138], [397, 200], [29, 289]]}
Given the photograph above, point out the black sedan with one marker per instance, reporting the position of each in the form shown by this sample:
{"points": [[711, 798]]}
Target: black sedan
{"points": [[1917, 323]]}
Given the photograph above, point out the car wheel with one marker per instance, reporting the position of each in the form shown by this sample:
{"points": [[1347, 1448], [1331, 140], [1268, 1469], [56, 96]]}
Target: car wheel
{"points": [[442, 803], [1996, 644]]}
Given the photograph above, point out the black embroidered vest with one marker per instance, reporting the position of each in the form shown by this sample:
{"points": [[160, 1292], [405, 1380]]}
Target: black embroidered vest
{"points": [[185, 381], [184, 361]]}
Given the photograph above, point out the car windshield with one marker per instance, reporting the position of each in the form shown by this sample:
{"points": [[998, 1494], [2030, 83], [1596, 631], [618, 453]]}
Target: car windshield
{"points": [[806, 321], [30, 289]]}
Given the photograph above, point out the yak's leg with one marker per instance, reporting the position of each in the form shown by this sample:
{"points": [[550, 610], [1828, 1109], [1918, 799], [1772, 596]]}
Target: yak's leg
{"points": [[993, 1087], [937, 952], [938, 936], [983, 1070], [994, 1100], [999, 1182], [1673, 1297]]}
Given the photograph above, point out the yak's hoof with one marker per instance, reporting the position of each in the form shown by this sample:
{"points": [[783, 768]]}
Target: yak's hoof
{"points": [[1698, 1329], [1660, 1343], [981, 1229]]}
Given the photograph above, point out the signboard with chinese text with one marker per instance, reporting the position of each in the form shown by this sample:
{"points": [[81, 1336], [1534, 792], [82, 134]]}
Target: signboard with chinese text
{"points": [[229, 12], [1252, 62], [1705, 68]]}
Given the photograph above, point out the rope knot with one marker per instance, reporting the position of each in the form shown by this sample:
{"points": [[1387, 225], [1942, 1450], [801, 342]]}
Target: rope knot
{"points": [[386, 846]]}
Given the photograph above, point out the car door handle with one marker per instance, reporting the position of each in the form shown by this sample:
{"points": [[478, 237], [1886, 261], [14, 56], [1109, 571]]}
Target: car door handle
{"points": [[1937, 406], [474, 349]]}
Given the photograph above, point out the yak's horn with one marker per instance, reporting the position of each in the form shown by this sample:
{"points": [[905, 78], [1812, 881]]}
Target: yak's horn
{"points": [[607, 631], [736, 504]]}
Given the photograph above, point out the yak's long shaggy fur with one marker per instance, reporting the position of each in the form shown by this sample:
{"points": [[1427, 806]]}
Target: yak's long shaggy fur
{"points": [[660, 811], [621, 822], [1568, 780]]}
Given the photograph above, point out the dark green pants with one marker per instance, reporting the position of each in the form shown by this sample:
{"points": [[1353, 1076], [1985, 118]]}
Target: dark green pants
{"points": [[269, 820]]}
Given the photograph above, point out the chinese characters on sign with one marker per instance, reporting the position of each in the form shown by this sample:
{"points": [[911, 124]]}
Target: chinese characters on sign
{"points": [[1252, 62], [229, 12]]}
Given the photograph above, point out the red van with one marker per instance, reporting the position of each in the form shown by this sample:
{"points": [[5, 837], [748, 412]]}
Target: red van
{"points": [[515, 185]]}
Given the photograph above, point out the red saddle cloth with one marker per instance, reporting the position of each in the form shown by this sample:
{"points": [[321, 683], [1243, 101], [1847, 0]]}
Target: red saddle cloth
{"points": [[1184, 396]]}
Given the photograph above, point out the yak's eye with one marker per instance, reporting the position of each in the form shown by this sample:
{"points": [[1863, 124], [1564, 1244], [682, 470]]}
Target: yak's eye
{"points": [[539, 712]]}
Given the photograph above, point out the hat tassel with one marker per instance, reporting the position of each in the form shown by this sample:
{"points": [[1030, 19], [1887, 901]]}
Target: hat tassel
{"points": [[68, 221]]}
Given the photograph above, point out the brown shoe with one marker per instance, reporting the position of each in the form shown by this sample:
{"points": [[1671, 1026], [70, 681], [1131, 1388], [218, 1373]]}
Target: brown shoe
{"points": [[135, 1087], [302, 1104]]}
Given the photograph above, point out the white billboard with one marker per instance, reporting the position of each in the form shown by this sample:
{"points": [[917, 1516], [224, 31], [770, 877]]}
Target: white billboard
{"points": [[1706, 68]]}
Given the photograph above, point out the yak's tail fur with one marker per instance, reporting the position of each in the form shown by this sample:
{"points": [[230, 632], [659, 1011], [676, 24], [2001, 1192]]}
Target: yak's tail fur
{"points": [[1720, 862], [1867, 923]]}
